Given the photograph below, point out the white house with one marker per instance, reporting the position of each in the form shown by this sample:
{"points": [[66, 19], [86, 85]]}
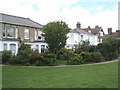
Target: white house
{"points": [[77, 35]]}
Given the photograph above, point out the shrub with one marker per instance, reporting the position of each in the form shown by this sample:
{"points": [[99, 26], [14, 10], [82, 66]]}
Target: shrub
{"points": [[25, 50], [97, 57], [49, 61], [112, 44], [35, 56], [23, 53], [64, 54], [86, 57], [6, 56], [50, 55], [75, 59], [18, 59]]}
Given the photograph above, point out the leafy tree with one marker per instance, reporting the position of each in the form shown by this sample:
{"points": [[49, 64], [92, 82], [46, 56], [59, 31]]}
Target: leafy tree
{"points": [[55, 34]]}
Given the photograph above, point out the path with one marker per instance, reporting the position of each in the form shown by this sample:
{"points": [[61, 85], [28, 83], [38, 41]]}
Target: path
{"points": [[76, 65], [71, 65]]}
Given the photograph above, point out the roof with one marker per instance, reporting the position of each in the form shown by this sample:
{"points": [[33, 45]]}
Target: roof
{"points": [[80, 31], [114, 34], [16, 20], [93, 30]]}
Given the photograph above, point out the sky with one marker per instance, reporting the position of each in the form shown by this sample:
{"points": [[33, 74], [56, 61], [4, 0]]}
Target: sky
{"points": [[103, 13]]}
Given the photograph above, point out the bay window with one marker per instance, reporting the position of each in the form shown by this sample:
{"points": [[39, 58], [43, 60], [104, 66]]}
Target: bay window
{"points": [[13, 48], [5, 46]]}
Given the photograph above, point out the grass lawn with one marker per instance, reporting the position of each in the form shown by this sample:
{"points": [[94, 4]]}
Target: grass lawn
{"points": [[93, 76]]}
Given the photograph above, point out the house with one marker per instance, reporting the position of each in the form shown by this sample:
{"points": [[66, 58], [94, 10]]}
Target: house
{"points": [[14, 27], [77, 35], [98, 31]]}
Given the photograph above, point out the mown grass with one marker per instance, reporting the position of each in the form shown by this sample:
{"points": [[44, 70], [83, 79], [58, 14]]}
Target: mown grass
{"points": [[93, 76]]}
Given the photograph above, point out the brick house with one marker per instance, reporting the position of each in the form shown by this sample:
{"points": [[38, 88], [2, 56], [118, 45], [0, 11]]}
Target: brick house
{"points": [[13, 27]]}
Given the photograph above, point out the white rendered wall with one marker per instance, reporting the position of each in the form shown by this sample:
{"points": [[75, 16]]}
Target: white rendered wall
{"points": [[75, 39], [8, 45]]}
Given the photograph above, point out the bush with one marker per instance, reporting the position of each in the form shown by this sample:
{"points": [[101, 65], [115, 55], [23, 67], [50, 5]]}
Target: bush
{"points": [[25, 50], [86, 57], [6, 56], [23, 53], [50, 55], [18, 60], [97, 57], [64, 54], [109, 48], [35, 57], [49, 61], [75, 59]]}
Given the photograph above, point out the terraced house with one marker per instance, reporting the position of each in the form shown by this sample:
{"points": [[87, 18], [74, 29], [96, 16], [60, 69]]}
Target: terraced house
{"points": [[13, 27]]}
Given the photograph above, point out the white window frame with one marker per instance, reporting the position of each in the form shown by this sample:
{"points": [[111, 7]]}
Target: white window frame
{"points": [[42, 48], [5, 46], [37, 47], [27, 31], [16, 32], [13, 51]]}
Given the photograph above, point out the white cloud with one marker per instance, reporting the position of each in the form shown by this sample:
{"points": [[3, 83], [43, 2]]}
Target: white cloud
{"points": [[59, 10]]}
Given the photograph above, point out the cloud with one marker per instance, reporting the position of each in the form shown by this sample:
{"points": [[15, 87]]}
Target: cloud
{"points": [[44, 11]]}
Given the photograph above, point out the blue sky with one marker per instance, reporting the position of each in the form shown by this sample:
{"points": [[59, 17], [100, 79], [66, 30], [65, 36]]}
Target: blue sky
{"points": [[88, 12]]}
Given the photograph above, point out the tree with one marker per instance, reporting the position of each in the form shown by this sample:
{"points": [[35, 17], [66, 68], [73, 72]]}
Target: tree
{"points": [[55, 34]]}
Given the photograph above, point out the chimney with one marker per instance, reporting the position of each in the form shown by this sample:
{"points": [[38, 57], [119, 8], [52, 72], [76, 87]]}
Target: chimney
{"points": [[78, 25], [109, 31], [96, 26], [88, 26]]}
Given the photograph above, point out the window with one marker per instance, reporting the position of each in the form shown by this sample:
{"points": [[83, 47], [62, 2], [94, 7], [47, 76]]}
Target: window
{"points": [[4, 30], [38, 35], [26, 33], [10, 32], [13, 48], [42, 48], [81, 37], [5, 46], [37, 47]]}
